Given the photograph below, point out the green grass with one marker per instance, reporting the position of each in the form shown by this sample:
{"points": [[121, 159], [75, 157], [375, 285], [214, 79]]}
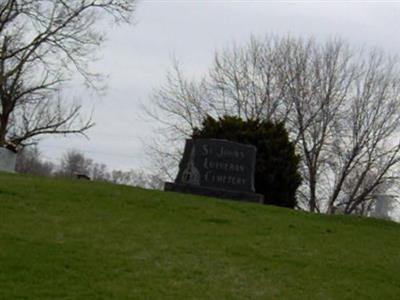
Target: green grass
{"points": [[84, 240]]}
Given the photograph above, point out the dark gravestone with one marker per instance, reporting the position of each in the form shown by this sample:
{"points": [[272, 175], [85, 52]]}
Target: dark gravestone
{"points": [[217, 168]]}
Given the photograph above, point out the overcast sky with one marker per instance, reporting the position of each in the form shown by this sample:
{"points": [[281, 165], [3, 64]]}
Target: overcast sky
{"points": [[137, 57]]}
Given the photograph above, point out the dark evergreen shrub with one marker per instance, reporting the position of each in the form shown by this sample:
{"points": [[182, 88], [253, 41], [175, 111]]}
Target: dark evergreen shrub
{"points": [[277, 176]]}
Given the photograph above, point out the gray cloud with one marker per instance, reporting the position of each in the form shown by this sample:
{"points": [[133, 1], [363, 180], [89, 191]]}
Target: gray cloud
{"points": [[136, 57]]}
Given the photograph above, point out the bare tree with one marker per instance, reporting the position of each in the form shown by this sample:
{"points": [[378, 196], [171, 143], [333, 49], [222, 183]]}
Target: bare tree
{"points": [[74, 162], [42, 44], [341, 107], [98, 172], [366, 141], [241, 81], [316, 83]]}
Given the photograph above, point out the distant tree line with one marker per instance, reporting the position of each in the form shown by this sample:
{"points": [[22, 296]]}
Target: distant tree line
{"points": [[74, 163]]}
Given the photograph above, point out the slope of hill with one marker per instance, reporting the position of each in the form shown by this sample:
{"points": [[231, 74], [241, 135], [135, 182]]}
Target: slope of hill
{"points": [[84, 240]]}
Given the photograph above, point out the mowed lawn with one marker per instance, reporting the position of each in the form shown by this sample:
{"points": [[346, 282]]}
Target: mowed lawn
{"points": [[84, 240]]}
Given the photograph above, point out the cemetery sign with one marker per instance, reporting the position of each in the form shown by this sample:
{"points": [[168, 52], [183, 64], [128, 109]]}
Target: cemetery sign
{"points": [[217, 168]]}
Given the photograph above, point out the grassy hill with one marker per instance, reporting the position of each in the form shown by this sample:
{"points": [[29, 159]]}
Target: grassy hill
{"points": [[84, 240]]}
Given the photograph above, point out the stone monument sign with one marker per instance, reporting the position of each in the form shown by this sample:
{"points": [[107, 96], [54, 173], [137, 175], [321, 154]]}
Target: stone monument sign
{"points": [[218, 168]]}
